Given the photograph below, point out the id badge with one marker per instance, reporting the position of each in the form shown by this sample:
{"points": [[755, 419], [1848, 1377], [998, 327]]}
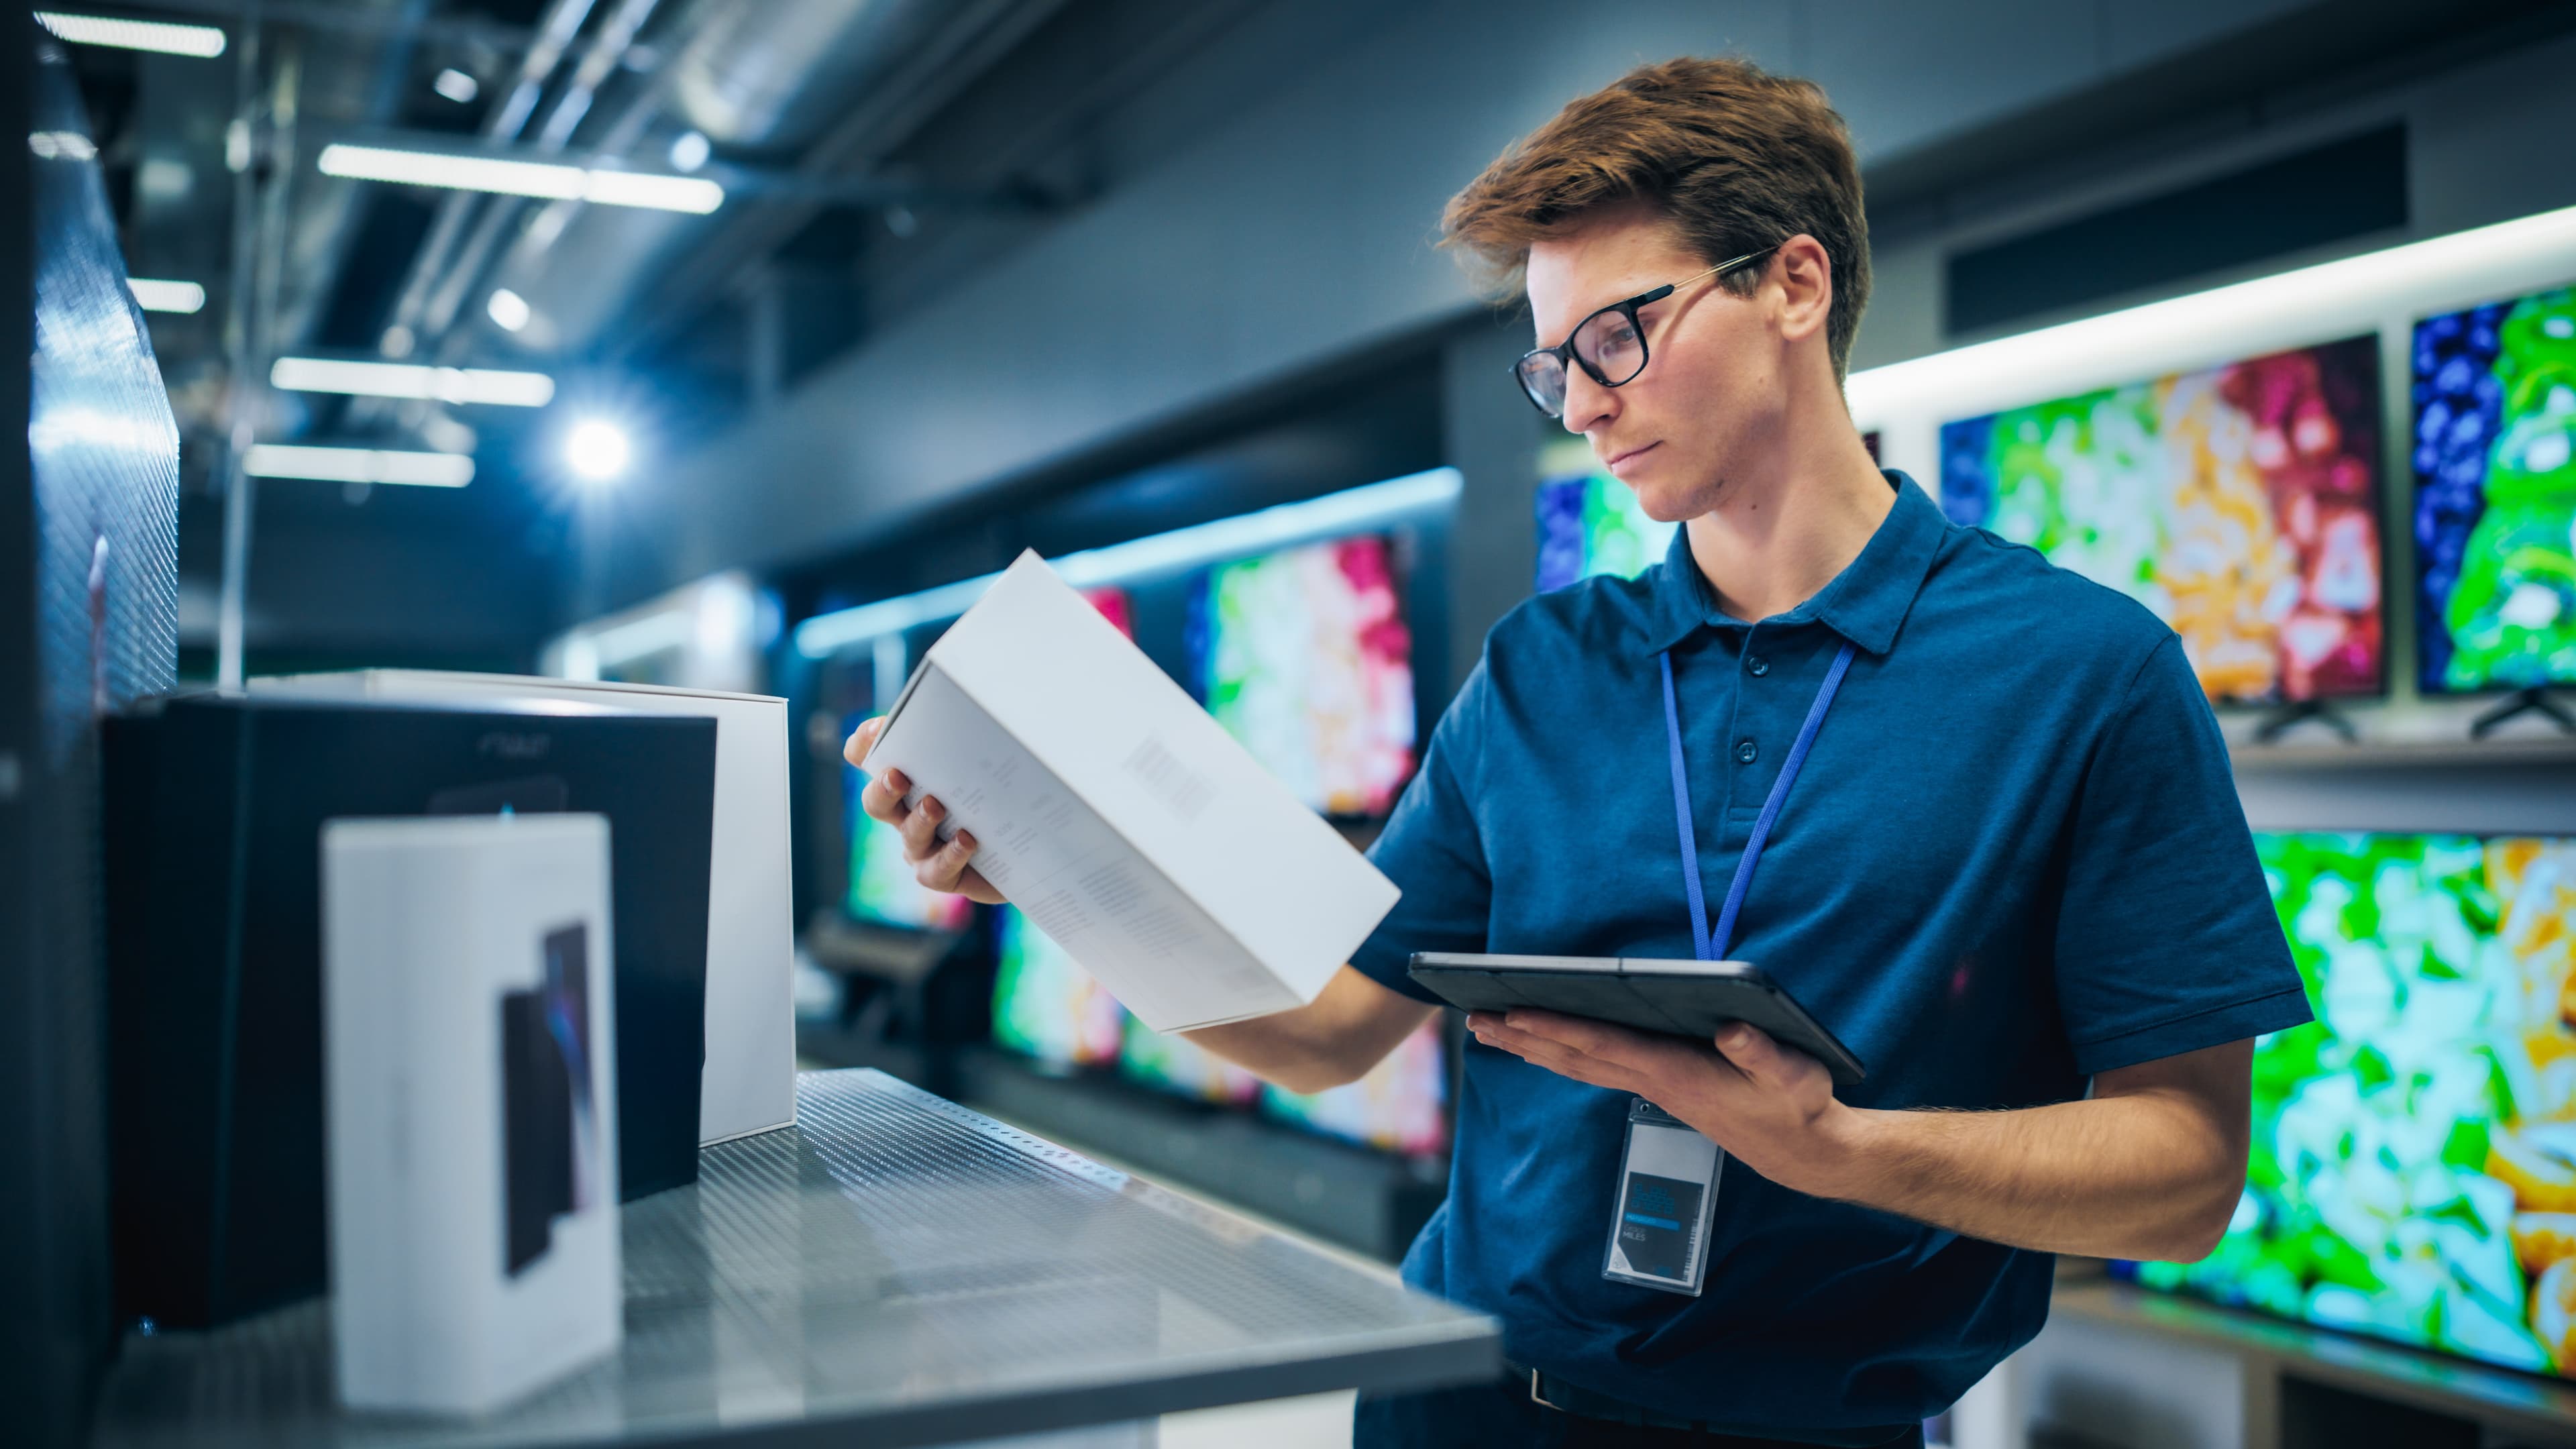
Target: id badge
{"points": [[1666, 1199]]}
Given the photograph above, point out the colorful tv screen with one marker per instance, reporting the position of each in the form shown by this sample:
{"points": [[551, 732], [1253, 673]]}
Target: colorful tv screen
{"points": [[2495, 495], [1400, 1106], [1175, 1064], [2240, 503], [2413, 1172], [1045, 1006], [1589, 523], [1304, 656]]}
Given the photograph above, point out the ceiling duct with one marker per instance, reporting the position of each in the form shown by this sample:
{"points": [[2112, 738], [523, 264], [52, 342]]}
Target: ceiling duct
{"points": [[770, 83]]}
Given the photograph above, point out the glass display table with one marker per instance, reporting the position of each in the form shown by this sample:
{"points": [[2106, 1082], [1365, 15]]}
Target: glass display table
{"points": [[892, 1270]]}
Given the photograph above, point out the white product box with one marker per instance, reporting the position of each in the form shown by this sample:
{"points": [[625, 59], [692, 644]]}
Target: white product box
{"points": [[1126, 823], [469, 1042], [749, 1081]]}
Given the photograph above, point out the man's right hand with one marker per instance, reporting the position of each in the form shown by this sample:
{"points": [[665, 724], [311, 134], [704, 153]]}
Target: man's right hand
{"points": [[944, 866]]}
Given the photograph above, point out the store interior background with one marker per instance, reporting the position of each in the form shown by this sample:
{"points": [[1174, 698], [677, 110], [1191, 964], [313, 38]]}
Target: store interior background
{"points": [[1071, 274]]}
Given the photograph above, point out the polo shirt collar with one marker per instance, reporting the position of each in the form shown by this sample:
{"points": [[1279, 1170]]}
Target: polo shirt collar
{"points": [[1866, 603]]}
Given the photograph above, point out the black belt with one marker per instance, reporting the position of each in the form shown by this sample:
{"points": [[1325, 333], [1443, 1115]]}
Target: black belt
{"points": [[1549, 1391]]}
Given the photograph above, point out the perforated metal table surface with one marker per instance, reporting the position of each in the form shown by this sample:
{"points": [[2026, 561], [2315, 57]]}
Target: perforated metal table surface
{"points": [[893, 1270]]}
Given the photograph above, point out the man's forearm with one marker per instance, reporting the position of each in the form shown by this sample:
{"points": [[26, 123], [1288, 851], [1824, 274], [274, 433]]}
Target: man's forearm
{"points": [[1334, 1039], [2140, 1176]]}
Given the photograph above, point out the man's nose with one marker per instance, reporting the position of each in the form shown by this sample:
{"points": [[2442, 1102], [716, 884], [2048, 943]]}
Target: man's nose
{"points": [[1587, 403]]}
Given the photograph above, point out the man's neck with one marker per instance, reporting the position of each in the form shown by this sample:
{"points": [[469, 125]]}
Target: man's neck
{"points": [[1785, 529]]}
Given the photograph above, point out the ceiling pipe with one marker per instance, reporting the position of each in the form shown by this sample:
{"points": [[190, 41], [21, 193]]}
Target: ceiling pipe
{"points": [[439, 315], [563, 20]]}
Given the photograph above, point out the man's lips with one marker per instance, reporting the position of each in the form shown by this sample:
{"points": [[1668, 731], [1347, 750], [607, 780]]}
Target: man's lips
{"points": [[1629, 454]]}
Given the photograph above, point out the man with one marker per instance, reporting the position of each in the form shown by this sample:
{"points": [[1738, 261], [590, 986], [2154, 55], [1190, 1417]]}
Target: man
{"points": [[2012, 876]]}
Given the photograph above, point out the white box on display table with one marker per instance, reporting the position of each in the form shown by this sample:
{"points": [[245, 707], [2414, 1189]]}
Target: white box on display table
{"points": [[470, 1048], [748, 1083], [1122, 820]]}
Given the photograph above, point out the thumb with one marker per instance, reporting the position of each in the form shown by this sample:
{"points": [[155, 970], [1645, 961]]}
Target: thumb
{"points": [[1751, 1049], [862, 740]]}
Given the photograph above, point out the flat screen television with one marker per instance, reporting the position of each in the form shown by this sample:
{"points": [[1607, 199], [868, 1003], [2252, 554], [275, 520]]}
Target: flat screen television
{"points": [[1589, 523], [2494, 393], [2413, 1172], [1305, 657], [1045, 1005], [2239, 502]]}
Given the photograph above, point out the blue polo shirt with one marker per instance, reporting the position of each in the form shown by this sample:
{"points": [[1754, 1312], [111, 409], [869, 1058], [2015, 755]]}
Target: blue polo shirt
{"points": [[2014, 858]]}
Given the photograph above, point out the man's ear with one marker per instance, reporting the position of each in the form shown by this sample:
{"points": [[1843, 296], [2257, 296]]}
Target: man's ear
{"points": [[1804, 273]]}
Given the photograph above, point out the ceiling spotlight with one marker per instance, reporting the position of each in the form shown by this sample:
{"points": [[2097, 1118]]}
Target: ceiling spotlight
{"points": [[690, 151], [509, 309], [201, 41], [456, 85], [597, 450], [166, 296]]}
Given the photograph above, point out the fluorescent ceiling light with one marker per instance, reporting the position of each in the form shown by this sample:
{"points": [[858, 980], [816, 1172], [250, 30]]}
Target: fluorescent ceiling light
{"points": [[456, 85], [690, 151], [2287, 309], [203, 41], [411, 380], [1348, 511], [553, 181], [164, 296], [508, 309], [358, 465]]}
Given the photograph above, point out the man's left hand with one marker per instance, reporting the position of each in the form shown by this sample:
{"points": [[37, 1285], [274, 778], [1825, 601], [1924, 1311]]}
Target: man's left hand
{"points": [[1771, 1106]]}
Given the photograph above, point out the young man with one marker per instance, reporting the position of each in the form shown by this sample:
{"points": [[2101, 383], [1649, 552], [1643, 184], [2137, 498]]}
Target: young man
{"points": [[2012, 868]]}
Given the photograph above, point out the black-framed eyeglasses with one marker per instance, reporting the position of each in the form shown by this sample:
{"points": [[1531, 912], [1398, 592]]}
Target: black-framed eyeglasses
{"points": [[1609, 345]]}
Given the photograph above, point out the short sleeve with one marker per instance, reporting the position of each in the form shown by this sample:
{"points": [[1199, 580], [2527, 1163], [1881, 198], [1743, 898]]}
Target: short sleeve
{"points": [[1433, 852], [2167, 941]]}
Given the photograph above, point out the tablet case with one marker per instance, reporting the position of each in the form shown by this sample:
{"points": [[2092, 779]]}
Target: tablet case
{"points": [[1695, 999]]}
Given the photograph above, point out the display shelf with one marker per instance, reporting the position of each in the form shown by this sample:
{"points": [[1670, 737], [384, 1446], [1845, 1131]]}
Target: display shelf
{"points": [[893, 1270], [2501, 1399], [2519, 753]]}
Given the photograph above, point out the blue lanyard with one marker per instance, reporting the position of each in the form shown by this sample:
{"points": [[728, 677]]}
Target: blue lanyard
{"points": [[1714, 949]]}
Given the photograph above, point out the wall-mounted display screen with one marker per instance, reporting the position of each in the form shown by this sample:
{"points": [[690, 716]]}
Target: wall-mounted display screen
{"points": [[2239, 502], [1305, 657], [2413, 1173], [1046, 1006], [2495, 495], [1401, 1105], [1589, 523]]}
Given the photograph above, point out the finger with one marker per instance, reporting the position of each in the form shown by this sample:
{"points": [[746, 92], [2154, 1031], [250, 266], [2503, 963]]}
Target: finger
{"points": [[1591, 1038], [882, 799], [945, 869], [862, 740], [1756, 1054], [921, 829], [1539, 1052]]}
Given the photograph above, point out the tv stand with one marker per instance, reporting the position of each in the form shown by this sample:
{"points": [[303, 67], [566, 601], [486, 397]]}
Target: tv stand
{"points": [[2533, 700], [2290, 716]]}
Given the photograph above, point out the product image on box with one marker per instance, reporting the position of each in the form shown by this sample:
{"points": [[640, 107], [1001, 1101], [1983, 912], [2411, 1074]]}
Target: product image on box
{"points": [[2413, 1172], [1589, 522], [1304, 657], [2240, 503], [551, 1134], [2495, 495]]}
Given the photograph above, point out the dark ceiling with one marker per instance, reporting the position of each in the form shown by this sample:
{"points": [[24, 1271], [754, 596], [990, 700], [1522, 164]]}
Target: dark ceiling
{"points": [[867, 147]]}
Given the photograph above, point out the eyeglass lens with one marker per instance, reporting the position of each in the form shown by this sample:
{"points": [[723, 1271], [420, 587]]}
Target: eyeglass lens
{"points": [[1607, 343]]}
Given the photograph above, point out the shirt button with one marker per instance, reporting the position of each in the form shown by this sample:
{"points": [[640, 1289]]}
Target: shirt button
{"points": [[1756, 665], [1746, 752]]}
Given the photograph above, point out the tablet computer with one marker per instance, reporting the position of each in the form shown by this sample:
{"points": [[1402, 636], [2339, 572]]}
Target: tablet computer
{"points": [[1679, 998]]}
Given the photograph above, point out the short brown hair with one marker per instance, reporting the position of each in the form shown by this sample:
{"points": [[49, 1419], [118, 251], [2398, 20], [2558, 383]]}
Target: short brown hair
{"points": [[1735, 157]]}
